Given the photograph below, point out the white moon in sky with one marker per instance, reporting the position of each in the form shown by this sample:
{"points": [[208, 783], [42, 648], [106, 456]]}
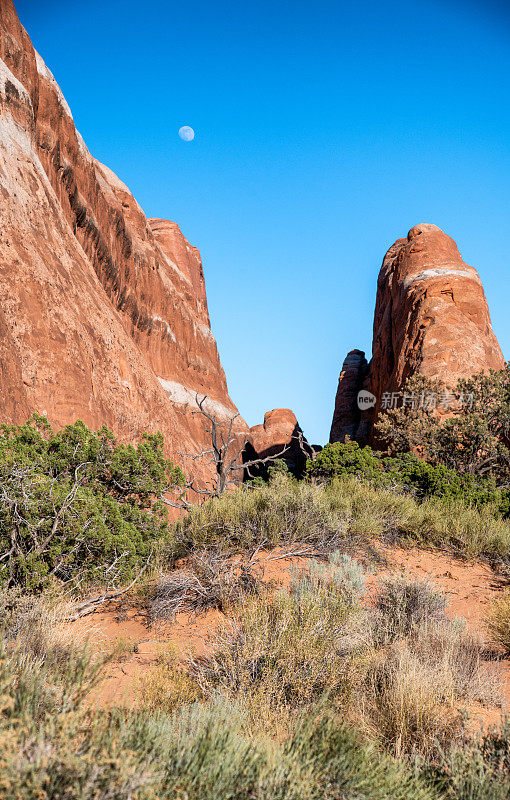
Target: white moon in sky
{"points": [[186, 133]]}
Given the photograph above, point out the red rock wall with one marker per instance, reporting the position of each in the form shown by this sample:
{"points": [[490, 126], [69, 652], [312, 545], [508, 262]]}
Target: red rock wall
{"points": [[346, 416], [103, 312]]}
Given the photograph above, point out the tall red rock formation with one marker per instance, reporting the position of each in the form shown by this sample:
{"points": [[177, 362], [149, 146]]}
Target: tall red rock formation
{"points": [[431, 315], [103, 313], [431, 318]]}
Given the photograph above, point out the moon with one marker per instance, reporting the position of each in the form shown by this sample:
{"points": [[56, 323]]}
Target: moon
{"points": [[186, 133]]}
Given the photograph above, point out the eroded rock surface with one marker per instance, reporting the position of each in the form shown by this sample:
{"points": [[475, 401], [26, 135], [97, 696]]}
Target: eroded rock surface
{"points": [[347, 415], [431, 315]]}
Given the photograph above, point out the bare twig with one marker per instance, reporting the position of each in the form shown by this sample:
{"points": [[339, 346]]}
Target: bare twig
{"points": [[223, 456], [89, 606]]}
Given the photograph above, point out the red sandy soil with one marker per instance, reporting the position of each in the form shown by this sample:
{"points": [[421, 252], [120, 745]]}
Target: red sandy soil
{"points": [[469, 587]]}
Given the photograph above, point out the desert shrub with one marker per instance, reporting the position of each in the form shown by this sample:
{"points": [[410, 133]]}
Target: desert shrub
{"points": [[339, 460], [208, 580], [498, 620], [427, 480], [408, 473], [277, 467], [504, 503], [369, 511], [207, 753], [405, 603], [341, 571], [284, 648], [284, 511], [471, 440], [345, 514], [167, 687], [342, 765], [477, 769], [76, 505], [199, 751], [413, 690]]}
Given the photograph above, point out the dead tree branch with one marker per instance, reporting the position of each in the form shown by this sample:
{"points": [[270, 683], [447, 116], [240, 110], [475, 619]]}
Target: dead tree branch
{"points": [[224, 458]]}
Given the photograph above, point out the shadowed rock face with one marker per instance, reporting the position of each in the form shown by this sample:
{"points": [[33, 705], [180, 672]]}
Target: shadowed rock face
{"points": [[431, 318], [103, 313], [347, 415]]}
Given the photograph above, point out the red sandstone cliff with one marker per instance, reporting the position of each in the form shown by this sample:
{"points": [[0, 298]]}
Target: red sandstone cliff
{"points": [[431, 318], [103, 313]]}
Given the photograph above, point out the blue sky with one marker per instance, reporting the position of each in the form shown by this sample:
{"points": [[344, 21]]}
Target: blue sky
{"points": [[324, 131]]}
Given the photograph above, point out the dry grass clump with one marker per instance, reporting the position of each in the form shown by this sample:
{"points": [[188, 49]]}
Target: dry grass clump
{"points": [[461, 658], [340, 571], [209, 580], [41, 624], [168, 686], [285, 511], [414, 689], [287, 647], [395, 516], [200, 751], [401, 670], [498, 621], [406, 603], [51, 664], [402, 704], [424, 669]]}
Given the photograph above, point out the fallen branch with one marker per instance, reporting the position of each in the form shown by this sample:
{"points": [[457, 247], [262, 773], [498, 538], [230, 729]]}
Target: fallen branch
{"points": [[90, 606]]}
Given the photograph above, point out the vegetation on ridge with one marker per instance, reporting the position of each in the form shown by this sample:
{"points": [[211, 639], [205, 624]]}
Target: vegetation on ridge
{"points": [[409, 474], [344, 513], [469, 436]]}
